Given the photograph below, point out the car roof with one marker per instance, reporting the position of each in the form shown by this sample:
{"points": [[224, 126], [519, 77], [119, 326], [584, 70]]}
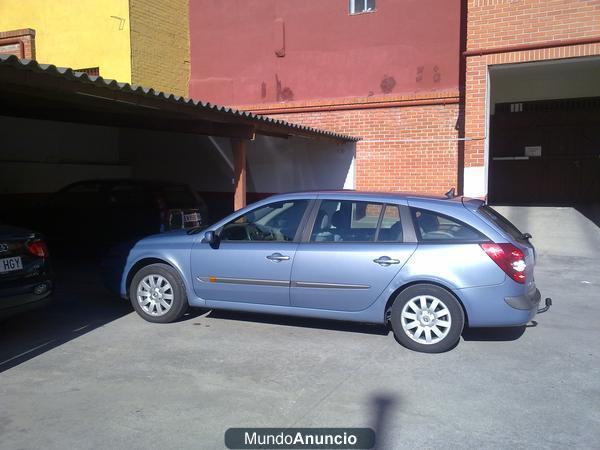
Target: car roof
{"points": [[134, 182], [371, 195]]}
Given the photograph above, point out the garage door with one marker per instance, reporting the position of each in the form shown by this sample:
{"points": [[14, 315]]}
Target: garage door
{"points": [[545, 152]]}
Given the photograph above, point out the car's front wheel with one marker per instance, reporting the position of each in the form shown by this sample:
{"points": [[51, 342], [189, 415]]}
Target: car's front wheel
{"points": [[427, 318], [158, 294]]}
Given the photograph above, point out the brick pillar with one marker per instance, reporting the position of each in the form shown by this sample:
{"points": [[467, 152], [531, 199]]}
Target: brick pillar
{"points": [[239, 173], [20, 43], [474, 175]]}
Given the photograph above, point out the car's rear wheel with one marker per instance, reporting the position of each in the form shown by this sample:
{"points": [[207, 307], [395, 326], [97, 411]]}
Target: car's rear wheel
{"points": [[427, 318], [158, 294]]}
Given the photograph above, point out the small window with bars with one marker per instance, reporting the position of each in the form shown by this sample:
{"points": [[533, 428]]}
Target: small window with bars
{"points": [[91, 71], [361, 6]]}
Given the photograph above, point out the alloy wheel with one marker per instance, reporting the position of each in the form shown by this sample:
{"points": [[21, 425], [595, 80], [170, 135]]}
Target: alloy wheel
{"points": [[426, 319], [155, 295]]}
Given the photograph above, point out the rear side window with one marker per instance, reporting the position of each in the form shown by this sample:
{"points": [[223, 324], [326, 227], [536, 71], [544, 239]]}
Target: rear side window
{"points": [[177, 197], [500, 221], [346, 221], [88, 194], [129, 195], [435, 227]]}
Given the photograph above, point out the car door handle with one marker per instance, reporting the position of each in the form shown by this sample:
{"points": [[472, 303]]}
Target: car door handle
{"points": [[386, 261], [278, 257]]}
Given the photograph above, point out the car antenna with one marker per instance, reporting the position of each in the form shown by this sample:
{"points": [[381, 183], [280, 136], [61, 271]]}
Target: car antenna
{"points": [[451, 193]]}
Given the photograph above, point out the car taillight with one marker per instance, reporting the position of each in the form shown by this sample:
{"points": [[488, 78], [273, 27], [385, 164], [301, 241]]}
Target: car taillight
{"points": [[509, 258], [38, 248]]}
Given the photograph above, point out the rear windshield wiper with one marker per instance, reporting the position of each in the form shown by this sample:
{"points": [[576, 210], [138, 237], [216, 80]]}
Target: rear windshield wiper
{"points": [[525, 236]]}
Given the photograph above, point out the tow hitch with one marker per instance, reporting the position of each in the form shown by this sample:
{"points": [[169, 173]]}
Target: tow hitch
{"points": [[548, 303]]}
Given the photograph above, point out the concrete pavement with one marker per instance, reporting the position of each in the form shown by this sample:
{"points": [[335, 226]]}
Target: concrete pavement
{"points": [[120, 382]]}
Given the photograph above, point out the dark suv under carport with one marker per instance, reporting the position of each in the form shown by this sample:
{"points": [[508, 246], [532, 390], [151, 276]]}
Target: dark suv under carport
{"points": [[96, 214]]}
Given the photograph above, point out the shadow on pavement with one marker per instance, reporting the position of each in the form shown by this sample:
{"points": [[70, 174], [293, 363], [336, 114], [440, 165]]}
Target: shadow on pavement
{"points": [[591, 211], [469, 334], [80, 304], [290, 321], [383, 406], [495, 334]]}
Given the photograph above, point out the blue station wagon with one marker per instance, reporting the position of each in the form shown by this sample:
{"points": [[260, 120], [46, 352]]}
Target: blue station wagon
{"points": [[427, 266]]}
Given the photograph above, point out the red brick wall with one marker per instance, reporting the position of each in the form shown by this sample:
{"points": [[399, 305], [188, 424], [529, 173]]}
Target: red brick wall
{"points": [[261, 51], [427, 165], [494, 23], [433, 162], [494, 26], [20, 43]]}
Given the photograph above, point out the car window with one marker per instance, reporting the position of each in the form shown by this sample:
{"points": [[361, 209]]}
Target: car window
{"points": [[79, 188], [129, 195], [391, 226], [273, 222], [176, 196], [346, 221], [433, 226], [501, 221], [80, 195]]}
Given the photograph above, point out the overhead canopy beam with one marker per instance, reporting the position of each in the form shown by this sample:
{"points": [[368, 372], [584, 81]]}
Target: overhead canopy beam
{"points": [[143, 123]]}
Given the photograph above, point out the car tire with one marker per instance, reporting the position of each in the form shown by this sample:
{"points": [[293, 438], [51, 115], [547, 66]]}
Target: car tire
{"points": [[427, 318], [158, 294]]}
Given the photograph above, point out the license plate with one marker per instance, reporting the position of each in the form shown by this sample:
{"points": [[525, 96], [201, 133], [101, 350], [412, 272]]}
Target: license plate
{"points": [[11, 264], [194, 217]]}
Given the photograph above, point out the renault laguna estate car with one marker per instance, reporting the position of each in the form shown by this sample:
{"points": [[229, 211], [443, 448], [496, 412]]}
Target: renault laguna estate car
{"points": [[427, 266]]}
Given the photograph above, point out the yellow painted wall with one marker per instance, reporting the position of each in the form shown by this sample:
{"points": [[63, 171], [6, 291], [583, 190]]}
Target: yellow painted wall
{"points": [[76, 33], [160, 47]]}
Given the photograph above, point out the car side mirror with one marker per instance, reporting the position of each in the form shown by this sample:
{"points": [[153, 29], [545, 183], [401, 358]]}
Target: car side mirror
{"points": [[212, 239]]}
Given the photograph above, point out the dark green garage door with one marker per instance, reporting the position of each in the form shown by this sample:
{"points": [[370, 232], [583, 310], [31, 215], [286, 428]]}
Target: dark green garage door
{"points": [[566, 136]]}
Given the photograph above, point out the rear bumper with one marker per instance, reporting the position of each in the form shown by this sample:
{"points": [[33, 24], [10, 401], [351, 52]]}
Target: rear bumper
{"points": [[504, 305], [18, 299], [525, 302]]}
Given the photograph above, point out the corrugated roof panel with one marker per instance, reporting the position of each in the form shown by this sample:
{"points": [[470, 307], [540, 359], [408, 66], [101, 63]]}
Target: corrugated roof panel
{"points": [[82, 77]]}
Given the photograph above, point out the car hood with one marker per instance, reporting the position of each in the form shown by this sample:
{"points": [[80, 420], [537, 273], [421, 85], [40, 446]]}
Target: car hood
{"points": [[165, 235]]}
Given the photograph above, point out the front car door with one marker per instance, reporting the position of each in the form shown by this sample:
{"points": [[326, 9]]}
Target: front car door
{"points": [[254, 258], [353, 251]]}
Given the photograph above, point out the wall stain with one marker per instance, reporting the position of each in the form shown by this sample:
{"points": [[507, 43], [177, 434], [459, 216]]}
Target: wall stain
{"points": [[283, 93], [420, 71], [437, 75], [387, 84], [263, 90]]}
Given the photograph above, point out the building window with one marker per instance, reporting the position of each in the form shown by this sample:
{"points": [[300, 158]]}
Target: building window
{"points": [[91, 71], [361, 6]]}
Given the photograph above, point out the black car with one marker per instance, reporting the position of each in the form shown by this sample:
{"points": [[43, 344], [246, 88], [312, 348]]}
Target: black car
{"points": [[26, 278], [97, 214]]}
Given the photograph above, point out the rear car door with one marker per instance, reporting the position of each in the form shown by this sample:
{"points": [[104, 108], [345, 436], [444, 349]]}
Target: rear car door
{"points": [[254, 259], [353, 251]]}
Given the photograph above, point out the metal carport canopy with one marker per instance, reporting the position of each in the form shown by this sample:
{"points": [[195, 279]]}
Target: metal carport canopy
{"points": [[41, 91]]}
